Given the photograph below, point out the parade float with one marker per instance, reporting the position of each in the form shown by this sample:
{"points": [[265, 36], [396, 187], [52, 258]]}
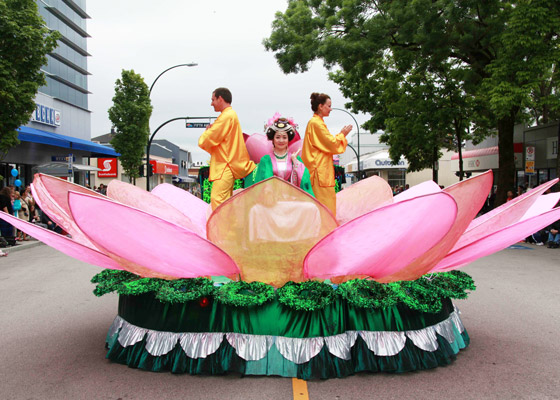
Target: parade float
{"points": [[271, 283]]}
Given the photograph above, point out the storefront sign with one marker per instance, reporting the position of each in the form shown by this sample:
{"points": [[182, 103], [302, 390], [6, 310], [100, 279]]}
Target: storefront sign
{"points": [[382, 164], [46, 115], [108, 167], [62, 158], [161, 167]]}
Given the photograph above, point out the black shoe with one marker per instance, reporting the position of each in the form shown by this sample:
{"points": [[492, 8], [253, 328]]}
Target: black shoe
{"points": [[555, 245], [550, 245]]}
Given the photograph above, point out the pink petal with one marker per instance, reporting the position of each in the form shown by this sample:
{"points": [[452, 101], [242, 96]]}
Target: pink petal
{"points": [[51, 194], [258, 146], [497, 240], [148, 241], [191, 206], [421, 189], [505, 215], [544, 203], [136, 197], [268, 229], [62, 243], [382, 242], [295, 145], [361, 198], [469, 195]]}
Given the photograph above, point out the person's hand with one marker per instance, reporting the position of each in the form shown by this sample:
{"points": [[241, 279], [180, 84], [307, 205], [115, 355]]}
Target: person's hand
{"points": [[295, 161], [208, 126], [346, 130], [554, 231]]}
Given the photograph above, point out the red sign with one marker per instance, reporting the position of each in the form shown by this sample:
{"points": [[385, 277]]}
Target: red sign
{"points": [[164, 168], [108, 167]]}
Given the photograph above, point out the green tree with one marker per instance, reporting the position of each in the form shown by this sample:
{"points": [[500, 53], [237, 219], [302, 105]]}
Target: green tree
{"points": [[474, 37], [24, 43], [130, 115]]}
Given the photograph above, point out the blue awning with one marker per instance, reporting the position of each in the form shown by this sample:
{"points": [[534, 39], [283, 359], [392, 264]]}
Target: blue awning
{"points": [[26, 134]]}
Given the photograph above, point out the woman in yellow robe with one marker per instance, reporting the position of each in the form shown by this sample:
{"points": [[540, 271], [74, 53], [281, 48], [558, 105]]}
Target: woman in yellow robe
{"points": [[319, 146]]}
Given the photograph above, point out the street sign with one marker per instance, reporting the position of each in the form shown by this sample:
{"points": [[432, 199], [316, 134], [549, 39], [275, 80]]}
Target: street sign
{"points": [[529, 167], [530, 160], [196, 124], [70, 162]]}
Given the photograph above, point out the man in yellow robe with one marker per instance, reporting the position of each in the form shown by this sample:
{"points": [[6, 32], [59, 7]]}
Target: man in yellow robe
{"points": [[224, 141], [319, 146]]}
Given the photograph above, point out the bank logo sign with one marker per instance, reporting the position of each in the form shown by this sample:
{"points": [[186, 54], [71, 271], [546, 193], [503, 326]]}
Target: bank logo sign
{"points": [[46, 115], [108, 167]]}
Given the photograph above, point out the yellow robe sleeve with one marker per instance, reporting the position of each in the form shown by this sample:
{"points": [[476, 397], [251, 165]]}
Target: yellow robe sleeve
{"points": [[325, 142], [318, 148], [215, 135], [224, 141]]}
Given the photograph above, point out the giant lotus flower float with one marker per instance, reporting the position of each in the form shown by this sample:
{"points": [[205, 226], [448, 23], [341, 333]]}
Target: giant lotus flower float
{"points": [[272, 284]]}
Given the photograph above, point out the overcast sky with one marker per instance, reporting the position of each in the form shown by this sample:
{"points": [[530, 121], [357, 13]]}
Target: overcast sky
{"points": [[225, 39]]}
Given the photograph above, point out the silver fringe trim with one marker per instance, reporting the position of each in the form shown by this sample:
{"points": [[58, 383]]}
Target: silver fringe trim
{"points": [[250, 347], [296, 350], [384, 343], [200, 345], [340, 345]]}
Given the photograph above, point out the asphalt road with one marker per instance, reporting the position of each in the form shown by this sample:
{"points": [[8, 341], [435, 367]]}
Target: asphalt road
{"points": [[52, 335]]}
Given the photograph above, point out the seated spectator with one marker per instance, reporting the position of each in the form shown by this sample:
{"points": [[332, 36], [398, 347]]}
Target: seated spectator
{"points": [[554, 235], [50, 224]]}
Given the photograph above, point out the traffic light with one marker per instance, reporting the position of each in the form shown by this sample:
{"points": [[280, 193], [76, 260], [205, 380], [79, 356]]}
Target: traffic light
{"points": [[150, 169]]}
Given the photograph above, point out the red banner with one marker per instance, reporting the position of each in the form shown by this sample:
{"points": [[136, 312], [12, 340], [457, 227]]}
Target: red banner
{"points": [[108, 167], [164, 168]]}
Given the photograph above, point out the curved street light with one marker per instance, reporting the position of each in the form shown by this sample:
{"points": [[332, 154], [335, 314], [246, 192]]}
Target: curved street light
{"points": [[175, 66], [162, 125], [358, 128]]}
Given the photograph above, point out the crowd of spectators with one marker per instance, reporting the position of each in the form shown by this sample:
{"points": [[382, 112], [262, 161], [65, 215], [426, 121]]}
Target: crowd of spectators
{"points": [[20, 203]]}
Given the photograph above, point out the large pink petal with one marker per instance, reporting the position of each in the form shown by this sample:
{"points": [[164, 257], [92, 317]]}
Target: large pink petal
{"points": [[383, 241], [148, 241], [422, 189], [497, 241], [62, 243], [470, 195], [191, 206], [258, 146], [361, 198], [268, 229], [544, 203], [505, 215], [136, 197], [51, 194]]}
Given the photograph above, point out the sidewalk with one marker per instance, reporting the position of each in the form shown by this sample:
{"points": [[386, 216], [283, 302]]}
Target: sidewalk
{"points": [[21, 246]]}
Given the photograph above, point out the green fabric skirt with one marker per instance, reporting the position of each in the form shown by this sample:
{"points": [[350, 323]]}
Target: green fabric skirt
{"points": [[272, 339]]}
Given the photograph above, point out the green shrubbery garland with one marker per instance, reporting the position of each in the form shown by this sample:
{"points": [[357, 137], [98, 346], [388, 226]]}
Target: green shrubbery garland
{"points": [[423, 294], [365, 293], [307, 296], [245, 294], [183, 290]]}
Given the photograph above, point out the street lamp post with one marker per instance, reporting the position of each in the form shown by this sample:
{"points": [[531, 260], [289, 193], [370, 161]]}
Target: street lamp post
{"points": [[175, 66], [358, 128], [162, 125], [152, 138]]}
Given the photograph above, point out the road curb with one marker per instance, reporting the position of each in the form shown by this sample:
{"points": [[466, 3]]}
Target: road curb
{"points": [[22, 246]]}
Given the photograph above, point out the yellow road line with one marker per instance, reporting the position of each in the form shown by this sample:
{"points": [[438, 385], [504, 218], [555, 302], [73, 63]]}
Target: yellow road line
{"points": [[299, 388]]}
